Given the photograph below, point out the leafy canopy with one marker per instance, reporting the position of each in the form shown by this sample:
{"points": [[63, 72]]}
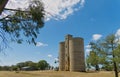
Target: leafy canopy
{"points": [[23, 25]]}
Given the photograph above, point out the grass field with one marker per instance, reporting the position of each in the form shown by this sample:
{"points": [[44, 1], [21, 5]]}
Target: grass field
{"points": [[54, 74]]}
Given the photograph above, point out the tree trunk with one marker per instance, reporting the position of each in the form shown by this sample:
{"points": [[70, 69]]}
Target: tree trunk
{"points": [[114, 63], [97, 67], [115, 67], [2, 5]]}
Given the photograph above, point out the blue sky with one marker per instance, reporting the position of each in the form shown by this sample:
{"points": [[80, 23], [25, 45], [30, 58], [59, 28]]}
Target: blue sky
{"points": [[91, 20]]}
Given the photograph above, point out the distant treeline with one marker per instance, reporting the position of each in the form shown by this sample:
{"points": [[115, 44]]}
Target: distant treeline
{"points": [[28, 66]]}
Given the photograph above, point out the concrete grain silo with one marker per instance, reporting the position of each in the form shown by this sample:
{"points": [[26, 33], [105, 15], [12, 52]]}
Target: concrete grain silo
{"points": [[76, 52], [67, 56], [62, 56], [71, 54]]}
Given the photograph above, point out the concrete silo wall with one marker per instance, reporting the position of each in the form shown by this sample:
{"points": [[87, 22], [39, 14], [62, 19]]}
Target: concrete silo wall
{"points": [[67, 59], [62, 56], [76, 50]]}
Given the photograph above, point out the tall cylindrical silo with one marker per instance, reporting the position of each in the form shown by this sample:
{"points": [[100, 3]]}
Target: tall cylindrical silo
{"points": [[67, 59], [77, 61], [62, 56]]}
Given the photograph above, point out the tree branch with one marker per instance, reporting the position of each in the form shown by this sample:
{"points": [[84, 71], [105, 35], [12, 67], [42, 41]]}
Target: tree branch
{"points": [[15, 10], [2, 5]]}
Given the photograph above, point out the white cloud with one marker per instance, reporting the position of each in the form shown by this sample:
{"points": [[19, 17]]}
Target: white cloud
{"points": [[87, 51], [40, 44], [50, 56], [88, 46], [118, 33], [96, 37], [56, 59], [14, 4], [61, 9], [55, 9]]}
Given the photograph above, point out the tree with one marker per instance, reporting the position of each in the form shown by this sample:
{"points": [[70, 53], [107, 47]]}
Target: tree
{"points": [[31, 64], [42, 65], [106, 52], [93, 60], [117, 57], [96, 55], [14, 68], [110, 44], [117, 54], [20, 65], [21, 23], [108, 66], [27, 65]]}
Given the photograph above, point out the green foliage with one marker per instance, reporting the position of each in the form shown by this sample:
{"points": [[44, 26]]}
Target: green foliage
{"points": [[28, 65], [96, 56], [108, 66], [93, 58], [117, 54], [20, 65], [23, 25], [42, 65], [4, 68], [106, 53], [14, 68], [111, 45]]}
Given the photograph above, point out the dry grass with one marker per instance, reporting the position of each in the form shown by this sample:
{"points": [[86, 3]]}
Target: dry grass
{"points": [[54, 74]]}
